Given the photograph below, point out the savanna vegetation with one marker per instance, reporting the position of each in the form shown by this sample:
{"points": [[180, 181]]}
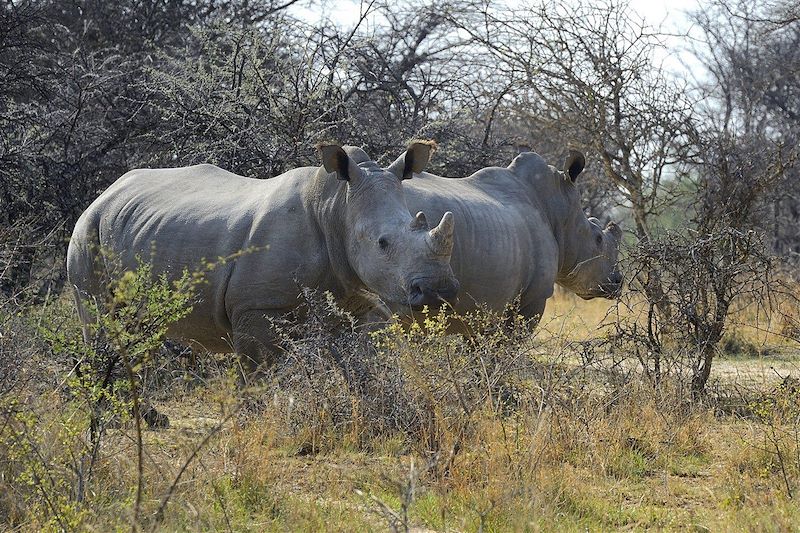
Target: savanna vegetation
{"points": [[676, 407]]}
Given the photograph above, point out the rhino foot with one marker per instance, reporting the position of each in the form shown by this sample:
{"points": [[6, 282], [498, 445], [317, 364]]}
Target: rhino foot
{"points": [[154, 419]]}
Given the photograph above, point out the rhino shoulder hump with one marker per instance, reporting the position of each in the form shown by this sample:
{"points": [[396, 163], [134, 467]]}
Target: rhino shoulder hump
{"points": [[527, 163], [209, 168], [489, 174]]}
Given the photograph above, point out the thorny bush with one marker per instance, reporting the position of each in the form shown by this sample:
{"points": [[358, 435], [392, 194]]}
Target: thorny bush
{"points": [[703, 278], [339, 377]]}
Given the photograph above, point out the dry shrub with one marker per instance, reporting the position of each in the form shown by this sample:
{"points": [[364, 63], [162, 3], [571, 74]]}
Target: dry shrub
{"points": [[488, 415], [341, 382], [40, 444], [35, 436], [60, 397], [789, 306], [500, 430], [331, 383], [683, 287]]}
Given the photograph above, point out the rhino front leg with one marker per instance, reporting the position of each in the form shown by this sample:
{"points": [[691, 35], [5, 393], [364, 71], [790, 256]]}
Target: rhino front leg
{"points": [[255, 342], [369, 310], [533, 311]]}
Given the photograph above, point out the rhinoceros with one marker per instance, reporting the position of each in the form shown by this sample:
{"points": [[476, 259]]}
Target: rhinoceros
{"points": [[520, 230], [349, 236]]}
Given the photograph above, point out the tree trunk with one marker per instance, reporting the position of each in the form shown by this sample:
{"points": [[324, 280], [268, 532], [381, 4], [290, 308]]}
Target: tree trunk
{"points": [[703, 370]]}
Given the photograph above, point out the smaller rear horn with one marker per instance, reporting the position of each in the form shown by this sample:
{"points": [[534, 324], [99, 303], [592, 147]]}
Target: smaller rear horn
{"points": [[420, 222]]}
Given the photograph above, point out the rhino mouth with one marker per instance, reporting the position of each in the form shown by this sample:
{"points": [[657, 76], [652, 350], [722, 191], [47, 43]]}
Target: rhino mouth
{"points": [[609, 291], [422, 293]]}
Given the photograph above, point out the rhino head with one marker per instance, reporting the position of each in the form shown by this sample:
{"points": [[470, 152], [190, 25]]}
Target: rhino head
{"points": [[589, 250], [397, 256]]}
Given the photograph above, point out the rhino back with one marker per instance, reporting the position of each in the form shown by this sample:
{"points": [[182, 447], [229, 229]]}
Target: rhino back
{"points": [[501, 240], [185, 217]]}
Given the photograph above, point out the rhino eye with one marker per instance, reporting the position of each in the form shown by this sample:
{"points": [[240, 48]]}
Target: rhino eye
{"points": [[599, 239], [383, 243]]}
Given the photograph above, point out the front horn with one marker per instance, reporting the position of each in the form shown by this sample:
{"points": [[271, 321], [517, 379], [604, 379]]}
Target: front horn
{"points": [[441, 237]]}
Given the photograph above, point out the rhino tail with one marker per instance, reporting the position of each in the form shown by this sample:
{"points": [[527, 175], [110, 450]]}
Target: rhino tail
{"points": [[83, 259]]}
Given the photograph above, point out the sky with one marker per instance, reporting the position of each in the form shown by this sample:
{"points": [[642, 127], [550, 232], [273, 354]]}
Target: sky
{"points": [[346, 12], [669, 12], [669, 15]]}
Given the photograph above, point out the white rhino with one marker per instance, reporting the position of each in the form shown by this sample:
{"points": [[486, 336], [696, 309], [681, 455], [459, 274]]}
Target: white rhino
{"points": [[346, 236], [520, 230]]}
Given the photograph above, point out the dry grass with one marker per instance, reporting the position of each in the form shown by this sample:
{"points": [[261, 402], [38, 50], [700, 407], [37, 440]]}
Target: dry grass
{"points": [[580, 319], [759, 350], [630, 467], [568, 315], [554, 446]]}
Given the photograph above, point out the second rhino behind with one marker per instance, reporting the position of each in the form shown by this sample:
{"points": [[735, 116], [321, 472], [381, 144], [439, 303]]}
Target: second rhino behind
{"points": [[520, 230]]}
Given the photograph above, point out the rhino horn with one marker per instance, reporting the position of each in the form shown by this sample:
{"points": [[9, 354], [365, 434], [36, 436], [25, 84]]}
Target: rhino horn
{"points": [[420, 222], [441, 237]]}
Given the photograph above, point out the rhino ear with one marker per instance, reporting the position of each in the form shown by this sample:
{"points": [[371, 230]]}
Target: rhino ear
{"points": [[414, 160], [335, 159], [615, 230], [356, 153], [574, 164]]}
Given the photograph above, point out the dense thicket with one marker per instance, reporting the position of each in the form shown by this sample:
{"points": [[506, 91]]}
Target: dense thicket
{"points": [[91, 89]]}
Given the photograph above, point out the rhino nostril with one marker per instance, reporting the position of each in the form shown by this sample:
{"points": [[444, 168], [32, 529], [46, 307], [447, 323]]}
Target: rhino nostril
{"points": [[422, 292], [415, 289]]}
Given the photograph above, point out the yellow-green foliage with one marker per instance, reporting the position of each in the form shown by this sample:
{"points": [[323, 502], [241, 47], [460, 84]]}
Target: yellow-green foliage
{"points": [[37, 450], [126, 329], [44, 440]]}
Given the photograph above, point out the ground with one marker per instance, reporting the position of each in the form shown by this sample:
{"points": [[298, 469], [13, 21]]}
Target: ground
{"points": [[706, 471], [520, 437]]}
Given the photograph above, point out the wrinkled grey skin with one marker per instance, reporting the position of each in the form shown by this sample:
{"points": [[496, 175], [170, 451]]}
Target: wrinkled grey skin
{"points": [[520, 230], [348, 235]]}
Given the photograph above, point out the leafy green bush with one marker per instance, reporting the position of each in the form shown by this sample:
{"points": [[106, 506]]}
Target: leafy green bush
{"points": [[120, 341]]}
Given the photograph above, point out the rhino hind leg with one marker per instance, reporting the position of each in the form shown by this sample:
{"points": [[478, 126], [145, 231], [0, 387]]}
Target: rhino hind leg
{"points": [[533, 311], [254, 342]]}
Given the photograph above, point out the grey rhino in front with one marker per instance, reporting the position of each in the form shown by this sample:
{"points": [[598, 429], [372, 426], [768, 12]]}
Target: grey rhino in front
{"points": [[348, 236], [520, 230]]}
